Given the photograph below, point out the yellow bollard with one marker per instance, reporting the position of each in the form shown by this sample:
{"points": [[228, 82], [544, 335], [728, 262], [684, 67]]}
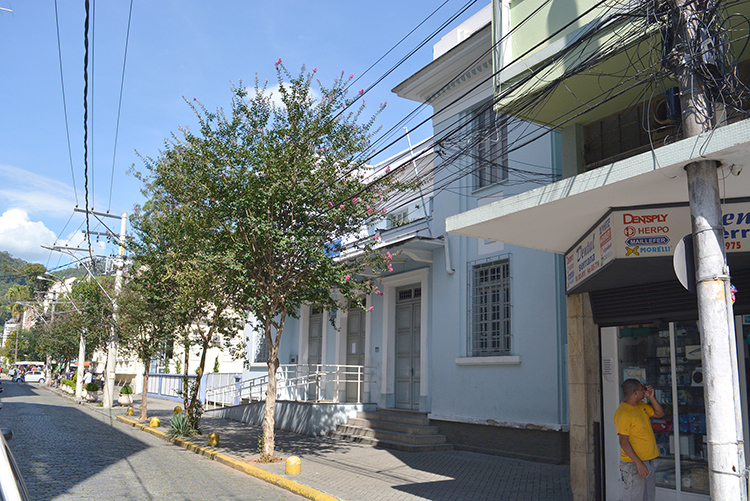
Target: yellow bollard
{"points": [[293, 465], [155, 422], [213, 439], [177, 409], [129, 412]]}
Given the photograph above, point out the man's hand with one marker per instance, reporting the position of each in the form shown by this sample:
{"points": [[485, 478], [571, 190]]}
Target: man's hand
{"points": [[642, 468]]}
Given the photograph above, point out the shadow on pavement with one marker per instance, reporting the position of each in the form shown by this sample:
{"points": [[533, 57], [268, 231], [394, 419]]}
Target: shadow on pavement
{"points": [[59, 446]]}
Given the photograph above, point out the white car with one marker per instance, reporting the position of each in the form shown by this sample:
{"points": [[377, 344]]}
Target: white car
{"points": [[35, 377], [12, 486]]}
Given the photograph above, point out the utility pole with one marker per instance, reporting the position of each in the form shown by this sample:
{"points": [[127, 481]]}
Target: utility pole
{"points": [[109, 378], [726, 459]]}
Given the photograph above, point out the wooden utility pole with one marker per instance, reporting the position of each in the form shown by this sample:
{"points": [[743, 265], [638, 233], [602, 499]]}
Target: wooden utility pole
{"points": [[726, 460]]}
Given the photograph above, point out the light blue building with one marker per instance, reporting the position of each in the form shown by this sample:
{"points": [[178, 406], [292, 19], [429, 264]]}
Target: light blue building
{"points": [[470, 332]]}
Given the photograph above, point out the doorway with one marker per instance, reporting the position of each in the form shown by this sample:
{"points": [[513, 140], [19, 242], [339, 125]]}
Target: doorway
{"points": [[408, 336], [355, 354]]}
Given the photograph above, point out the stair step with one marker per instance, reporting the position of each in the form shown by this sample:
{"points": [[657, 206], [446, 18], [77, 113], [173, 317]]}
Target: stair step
{"points": [[403, 417], [388, 444], [391, 436], [391, 426]]}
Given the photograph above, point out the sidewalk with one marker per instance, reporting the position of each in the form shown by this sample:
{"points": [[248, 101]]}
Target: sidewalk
{"points": [[355, 472]]}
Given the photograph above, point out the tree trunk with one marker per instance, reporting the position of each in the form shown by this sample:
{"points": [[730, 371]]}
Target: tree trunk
{"points": [[193, 416], [185, 380], [269, 439], [144, 397]]}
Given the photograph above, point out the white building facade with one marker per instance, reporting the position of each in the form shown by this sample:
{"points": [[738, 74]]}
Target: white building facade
{"points": [[470, 332]]}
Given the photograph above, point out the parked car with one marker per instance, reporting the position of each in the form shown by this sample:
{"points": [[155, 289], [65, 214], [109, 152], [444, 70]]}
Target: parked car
{"points": [[35, 377], [12, 486]]}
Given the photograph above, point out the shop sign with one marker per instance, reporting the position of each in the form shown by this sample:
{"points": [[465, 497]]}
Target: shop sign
{"points": [[652, 232], [591, 254]]}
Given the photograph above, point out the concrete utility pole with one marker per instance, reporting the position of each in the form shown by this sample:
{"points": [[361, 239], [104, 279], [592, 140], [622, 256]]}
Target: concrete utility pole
{"points": [[109, 371], [726, 460]]}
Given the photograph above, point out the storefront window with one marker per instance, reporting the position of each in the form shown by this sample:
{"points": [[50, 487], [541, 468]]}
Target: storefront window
{"points": [[668, 357]]}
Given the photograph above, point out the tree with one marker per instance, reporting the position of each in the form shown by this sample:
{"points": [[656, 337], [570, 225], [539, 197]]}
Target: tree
{"points": [[15, 297], [146, 319], [175, 252], [275, 188]]}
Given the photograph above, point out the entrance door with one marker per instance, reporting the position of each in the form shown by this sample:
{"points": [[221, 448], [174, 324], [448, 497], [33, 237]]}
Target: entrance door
{"points": [[668, 357], [314, 350], [408, 315], [355, 354]]}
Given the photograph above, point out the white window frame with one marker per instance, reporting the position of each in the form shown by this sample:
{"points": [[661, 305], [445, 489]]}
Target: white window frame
{"points": [[498, 342]]}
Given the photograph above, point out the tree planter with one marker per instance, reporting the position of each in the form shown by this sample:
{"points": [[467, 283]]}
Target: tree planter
{"points": [[125, 399], [90, 396]]}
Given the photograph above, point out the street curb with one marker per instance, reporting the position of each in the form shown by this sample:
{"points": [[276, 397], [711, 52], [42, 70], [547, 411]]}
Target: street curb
{"points": [[285, 483]]}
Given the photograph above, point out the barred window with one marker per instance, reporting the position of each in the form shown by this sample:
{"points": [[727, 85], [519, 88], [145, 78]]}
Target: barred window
{"points": [[490, 147], [490, 309], [260, 348]]}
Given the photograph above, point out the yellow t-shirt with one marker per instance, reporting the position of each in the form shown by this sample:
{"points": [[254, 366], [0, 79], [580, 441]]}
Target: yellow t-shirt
{"points": [[635, 422]]}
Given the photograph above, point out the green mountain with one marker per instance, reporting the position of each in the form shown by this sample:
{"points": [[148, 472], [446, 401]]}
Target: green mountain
{"points": [[10, 274]]}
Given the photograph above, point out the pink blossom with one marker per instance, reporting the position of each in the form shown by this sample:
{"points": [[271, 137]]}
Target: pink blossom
{"points": [[369, 210], [390, 267], [330, 204], [370, 308], [379, 293], [354, 200], [388, 169], [347, 278], [361, 91], [315, 70], [376, 237], [389, 256], [385, 211], [351, 76], [341, 206], [194, 99]]}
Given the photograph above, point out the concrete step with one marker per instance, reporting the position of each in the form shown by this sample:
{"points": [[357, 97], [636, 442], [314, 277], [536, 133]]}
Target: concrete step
{"points": [[391, 436], [387, 444], [391, 426], [396, 416]]}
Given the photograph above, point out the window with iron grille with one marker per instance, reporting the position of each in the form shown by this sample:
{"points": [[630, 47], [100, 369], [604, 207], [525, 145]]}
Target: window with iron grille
{"points": [[260, 353], [489, 309], [490, 147]]}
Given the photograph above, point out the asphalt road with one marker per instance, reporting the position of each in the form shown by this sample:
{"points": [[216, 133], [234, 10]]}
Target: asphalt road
{"points": [[66, 451]]}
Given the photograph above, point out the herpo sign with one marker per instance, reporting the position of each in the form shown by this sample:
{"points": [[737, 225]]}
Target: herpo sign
{"points": [[639, 233]]}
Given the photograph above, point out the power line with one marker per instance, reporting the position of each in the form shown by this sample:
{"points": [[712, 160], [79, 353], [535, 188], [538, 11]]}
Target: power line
{"points": [[119, 106], [65, 106]]}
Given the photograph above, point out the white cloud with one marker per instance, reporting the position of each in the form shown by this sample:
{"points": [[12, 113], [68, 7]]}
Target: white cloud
{"points": [[34, 193], [276, 95], [23, 238]]}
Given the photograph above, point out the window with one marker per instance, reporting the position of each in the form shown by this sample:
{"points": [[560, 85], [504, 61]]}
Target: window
{"points": [[260, 348], [489, 147], [490, 309], [397, 219]]}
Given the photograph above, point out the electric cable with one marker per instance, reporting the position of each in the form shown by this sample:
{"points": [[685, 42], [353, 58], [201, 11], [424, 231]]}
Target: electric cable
{"points": [[65, 106], [119, 106]]}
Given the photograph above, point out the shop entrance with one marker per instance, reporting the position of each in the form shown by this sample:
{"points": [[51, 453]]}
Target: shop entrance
{"points": [[668, 357]]}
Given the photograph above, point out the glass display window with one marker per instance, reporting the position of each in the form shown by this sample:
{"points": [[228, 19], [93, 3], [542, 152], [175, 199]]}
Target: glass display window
{"points": [[667, 356]]}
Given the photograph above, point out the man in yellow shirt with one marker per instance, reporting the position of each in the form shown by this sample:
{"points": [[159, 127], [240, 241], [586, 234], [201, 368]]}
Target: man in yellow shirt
{"points": [[637, 442]]}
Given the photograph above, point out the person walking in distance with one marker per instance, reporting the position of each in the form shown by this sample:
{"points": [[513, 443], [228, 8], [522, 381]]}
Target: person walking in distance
{"points": [[638, 446]]}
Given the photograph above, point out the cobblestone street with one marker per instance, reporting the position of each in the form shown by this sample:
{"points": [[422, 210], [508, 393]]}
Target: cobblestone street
{"points": [[67, 452]]}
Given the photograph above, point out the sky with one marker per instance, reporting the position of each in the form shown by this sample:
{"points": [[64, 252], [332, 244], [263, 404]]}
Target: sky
{"points": [[176, 50]]}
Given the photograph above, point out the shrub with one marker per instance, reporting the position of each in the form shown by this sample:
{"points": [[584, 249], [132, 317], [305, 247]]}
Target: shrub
{"points": [[179, 426], [69, 382], [126, 390], [92, 387]]}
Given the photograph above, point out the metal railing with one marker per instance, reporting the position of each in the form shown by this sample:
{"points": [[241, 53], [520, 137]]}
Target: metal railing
{"points": [[300, 383]]}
